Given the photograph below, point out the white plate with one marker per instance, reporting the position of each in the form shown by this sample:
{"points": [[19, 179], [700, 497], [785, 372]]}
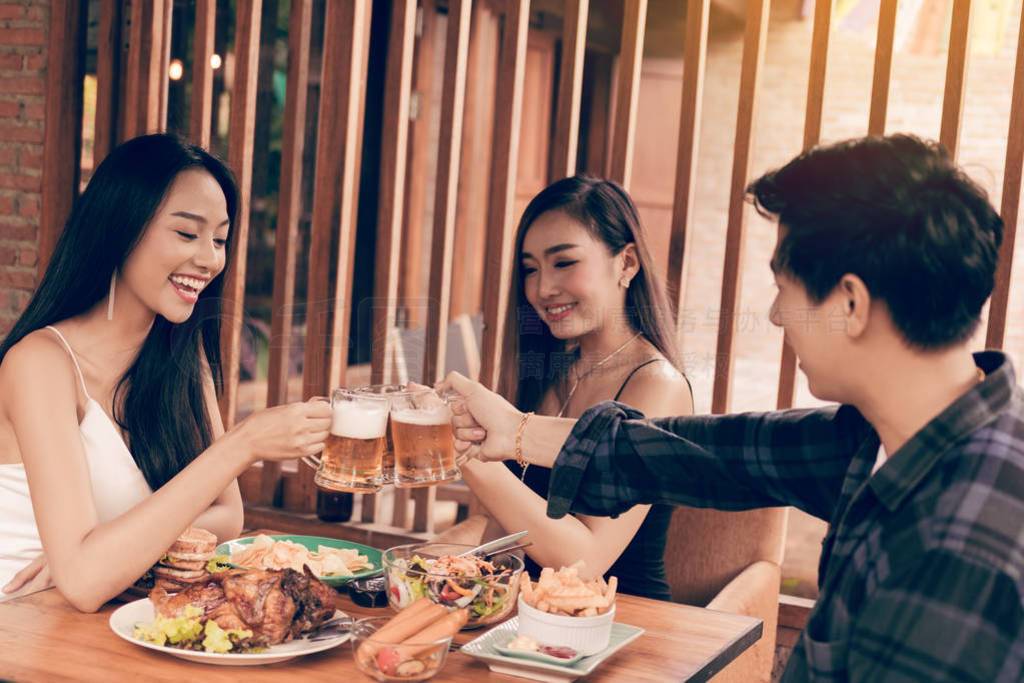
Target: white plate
{"points": [[484, 648], [124, 619]]}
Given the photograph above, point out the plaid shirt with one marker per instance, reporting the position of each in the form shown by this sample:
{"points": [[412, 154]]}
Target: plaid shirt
{"points": [[921, 570]]}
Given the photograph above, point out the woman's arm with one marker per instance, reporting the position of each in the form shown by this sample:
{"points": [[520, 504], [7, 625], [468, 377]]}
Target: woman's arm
{"points": [[599, 541], [225, 516], [92, 562]]}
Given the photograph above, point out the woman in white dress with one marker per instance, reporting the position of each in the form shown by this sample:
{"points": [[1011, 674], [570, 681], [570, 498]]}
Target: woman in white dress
{"points": [[111, 442]]}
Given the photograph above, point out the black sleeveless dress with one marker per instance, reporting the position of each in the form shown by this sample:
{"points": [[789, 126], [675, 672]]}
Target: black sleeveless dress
{"points": [[641, 566]]}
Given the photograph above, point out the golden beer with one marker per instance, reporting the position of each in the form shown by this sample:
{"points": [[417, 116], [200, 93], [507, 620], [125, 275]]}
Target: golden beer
{"points": [[351, 460], [424, 451], [388, 458]]}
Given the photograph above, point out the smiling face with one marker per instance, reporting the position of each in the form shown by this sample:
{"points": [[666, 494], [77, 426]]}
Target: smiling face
{"points": [[570, 278], [181, 250]]}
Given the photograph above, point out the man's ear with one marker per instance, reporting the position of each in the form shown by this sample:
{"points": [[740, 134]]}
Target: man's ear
{"points": [[630, 261], [855, 304]]}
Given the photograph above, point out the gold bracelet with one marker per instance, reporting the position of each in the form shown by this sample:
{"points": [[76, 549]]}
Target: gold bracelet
{"points": [[517, 451]]}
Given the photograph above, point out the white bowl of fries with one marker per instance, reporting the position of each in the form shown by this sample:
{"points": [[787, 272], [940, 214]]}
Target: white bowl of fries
{"points": [[560, 608]]}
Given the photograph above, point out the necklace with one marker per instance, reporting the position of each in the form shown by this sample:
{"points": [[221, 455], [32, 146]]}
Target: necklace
{"points": [[576, 384]]}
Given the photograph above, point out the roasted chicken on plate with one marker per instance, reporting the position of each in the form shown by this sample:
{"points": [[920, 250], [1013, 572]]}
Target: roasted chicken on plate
{"points": [[276, 605]]}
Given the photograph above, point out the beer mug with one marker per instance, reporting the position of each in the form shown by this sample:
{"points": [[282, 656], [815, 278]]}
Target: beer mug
{"points": [[388, 459], [351, 459], [422, 434]]}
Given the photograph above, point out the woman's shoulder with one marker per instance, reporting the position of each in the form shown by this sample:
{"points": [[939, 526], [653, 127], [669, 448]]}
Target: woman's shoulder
{"points": [[658, 388], [38, 356]]}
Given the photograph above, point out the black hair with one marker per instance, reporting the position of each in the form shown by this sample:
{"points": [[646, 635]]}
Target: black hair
{"points": [[534, 359], [899, 214], [159, 401]]}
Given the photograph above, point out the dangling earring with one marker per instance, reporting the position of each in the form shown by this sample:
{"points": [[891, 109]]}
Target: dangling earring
{"points": [[624, 282], [110, 297]]}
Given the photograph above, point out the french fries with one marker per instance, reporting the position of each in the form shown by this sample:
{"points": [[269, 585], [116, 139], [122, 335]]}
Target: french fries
{"points": [[564, 592]]}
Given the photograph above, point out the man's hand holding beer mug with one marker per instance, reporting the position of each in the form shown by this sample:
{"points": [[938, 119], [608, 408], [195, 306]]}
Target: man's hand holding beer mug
{"points": [[489, 428]]}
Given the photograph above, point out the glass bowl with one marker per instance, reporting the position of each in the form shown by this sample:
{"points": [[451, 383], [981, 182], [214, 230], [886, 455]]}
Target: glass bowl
{"points": [[414, 571], [388, 661]]}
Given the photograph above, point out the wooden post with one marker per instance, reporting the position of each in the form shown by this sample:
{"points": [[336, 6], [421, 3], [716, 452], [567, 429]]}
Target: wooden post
{"points": [[505, 162], [240, 143], [956, 76], [812, 134], [201, 104], [694, 61], [570, 88], [750, 78], [1010, 208], [883, 67], [628, 90], [62, 126], [392, 183], [447, 187]]}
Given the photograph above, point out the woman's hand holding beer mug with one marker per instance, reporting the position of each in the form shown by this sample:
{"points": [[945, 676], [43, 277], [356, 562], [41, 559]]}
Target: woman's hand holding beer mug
{"points": [[283, 432]]}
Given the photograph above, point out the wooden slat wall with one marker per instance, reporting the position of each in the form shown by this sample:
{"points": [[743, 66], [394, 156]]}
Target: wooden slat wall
{"points": [[201, 105], [146, 70], [394, 154], [812, 134], [883, 67], [570, 86], [108, 71], [504, 164], [695, 52], [335, 187], [240, 144], [286, 241], [956, 76], [159, 70], [339, 145], [1010, 208], [62, 142], [628, 90], [417, 172], [750, 78], [453, 98], [289, 210]]}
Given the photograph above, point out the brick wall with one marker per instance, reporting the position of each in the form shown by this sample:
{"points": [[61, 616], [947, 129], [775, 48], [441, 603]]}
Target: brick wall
{"points": [[23, 31]]}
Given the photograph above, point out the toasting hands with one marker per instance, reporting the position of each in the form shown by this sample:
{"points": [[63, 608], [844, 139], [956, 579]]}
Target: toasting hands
{"points": [[484, 423]]}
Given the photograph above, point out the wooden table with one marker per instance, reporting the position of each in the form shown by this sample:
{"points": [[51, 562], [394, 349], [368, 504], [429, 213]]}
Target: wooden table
{"points": [[43, 638]]}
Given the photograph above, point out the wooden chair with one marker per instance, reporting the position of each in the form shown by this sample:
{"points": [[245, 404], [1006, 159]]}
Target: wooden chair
{"points": [[730, 561]]}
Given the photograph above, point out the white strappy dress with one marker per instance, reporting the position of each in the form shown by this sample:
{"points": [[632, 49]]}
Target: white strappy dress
{"points": [[117, 484]]}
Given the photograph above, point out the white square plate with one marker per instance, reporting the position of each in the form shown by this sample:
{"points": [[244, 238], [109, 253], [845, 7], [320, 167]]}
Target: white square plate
{"points": [[484, 648]]}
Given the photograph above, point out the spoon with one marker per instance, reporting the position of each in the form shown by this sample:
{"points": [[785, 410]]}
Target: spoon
{"points": [[497, 543]]}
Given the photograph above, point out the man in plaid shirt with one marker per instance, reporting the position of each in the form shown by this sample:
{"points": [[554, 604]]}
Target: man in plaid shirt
{"points": [[886, 255]]}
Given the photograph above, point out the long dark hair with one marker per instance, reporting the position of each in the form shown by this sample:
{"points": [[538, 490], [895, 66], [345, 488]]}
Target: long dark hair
{"points": [[533, 358], [163, 410]]}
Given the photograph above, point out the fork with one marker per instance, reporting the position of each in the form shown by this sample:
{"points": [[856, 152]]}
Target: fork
{"points": [[331, 629]]}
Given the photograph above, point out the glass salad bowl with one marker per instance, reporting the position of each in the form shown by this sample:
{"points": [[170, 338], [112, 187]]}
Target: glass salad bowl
{"points": [[489, 588]]}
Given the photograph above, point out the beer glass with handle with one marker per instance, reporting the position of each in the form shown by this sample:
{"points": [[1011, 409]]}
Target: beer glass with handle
{"points": [[388, 459], [422, 435], [351, 459]]}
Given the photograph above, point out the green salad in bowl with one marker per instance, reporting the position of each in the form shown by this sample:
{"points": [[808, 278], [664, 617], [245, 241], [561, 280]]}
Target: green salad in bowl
{"points": [[439, 571]]}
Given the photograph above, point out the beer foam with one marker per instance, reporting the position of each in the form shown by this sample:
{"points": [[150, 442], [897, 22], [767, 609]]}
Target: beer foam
{"points": [[439, 415], [359, 420]]}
